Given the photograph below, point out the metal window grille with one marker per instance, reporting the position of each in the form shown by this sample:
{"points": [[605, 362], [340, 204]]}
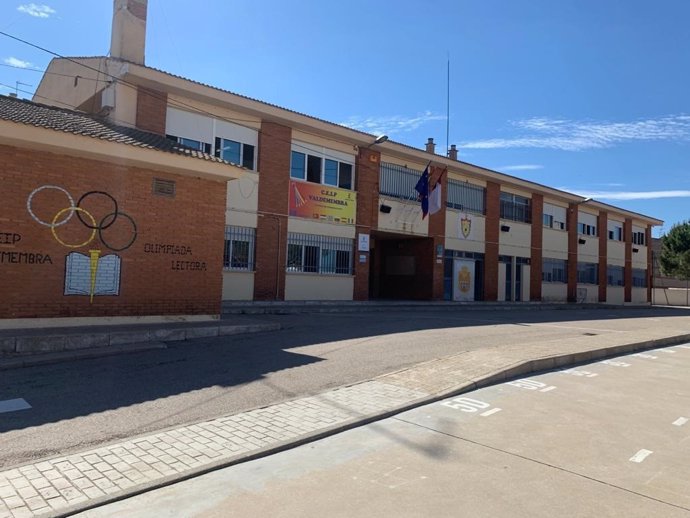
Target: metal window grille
{"points": [[638, 238], [240, 245], [554, 270], [308, 253], [587, 273], [466, 197], [614, 275], [639, 278], [398, 181], [516, 208]]}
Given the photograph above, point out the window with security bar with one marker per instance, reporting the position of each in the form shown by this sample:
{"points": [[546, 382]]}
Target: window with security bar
{"points": [[466, 197], [639, 278], [398, 181], [515, 207], [239, 248], [308, 253], [554, 270]]}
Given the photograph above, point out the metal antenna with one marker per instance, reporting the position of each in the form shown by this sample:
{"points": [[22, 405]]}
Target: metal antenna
{"points": [[16, 87], [448, 107]]}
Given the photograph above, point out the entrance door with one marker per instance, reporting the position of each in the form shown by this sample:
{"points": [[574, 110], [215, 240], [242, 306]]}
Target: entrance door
{"points": [[513, 279], [463, 280]]}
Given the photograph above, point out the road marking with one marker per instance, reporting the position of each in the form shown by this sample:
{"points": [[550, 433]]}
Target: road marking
{"points": [[466, 404], [531, 385], [490, 412], [585, 374], [667, 351], [644, 355], [12, 405], [640, 456], [548, 389], [614, 363], [683, 346], [681, 421]]}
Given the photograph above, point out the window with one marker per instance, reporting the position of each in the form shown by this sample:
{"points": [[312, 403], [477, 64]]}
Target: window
{"points": [[554, 216], [615, 233], [614, 275], [466, 197], [515, 208], [554, 270], [398, 181], [235, 152], [316, 168], [638, 238], [308, 253], [239, 248], [204, 147], [587, 273], [586, 229], [639, 278], [587, 224]]}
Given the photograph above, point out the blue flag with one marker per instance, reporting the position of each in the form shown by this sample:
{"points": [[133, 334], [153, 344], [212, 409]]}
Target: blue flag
{"points": [[422, 188]]}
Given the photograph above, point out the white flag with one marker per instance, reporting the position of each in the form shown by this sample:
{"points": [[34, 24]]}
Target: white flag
{"points": [[435, 199]]}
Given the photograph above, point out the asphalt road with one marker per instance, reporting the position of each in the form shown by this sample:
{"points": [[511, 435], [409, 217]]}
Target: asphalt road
{"points": [[89, 402], [605, 439]]}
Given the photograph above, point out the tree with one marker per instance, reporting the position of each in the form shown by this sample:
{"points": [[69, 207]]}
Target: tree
{"points": [[675, 251]]}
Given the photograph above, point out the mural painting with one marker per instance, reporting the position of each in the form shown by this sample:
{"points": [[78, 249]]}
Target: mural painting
{"points": [[75, 227]]}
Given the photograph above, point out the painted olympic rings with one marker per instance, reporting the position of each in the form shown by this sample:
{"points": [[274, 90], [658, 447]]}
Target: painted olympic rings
{"points": [[39, 220], [85, 218], [101, 226], [73, 209], [114, 216]]}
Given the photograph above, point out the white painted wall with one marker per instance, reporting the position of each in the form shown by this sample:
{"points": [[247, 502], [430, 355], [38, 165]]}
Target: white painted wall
{"points": [[502, 281], [238, 285], [615, 252], [554, 292], [243, 200], [592, 293], [517, 241], [555, 244], [455, 240], [639, 258], [671, 296], [304, 286], [589, 252], [405, 216], [639, 295], [615, 295]]}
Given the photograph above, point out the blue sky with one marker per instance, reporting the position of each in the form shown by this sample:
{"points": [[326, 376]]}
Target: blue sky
{"points": [[589, 96]]}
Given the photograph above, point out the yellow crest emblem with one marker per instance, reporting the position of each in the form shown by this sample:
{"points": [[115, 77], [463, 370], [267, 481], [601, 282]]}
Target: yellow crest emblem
{"points": [[465, 226], [464, 280]]}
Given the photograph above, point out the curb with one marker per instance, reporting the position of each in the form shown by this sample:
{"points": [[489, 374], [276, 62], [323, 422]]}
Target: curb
{"points": [[519, 368], [118, 342]]}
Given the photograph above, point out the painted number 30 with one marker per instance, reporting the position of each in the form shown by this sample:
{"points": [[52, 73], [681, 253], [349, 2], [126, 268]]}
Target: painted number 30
{"points": [[466, 404]]}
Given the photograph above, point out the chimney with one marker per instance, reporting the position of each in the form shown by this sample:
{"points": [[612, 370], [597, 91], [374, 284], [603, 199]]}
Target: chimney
{"points": [[453, 152], [430, 146], [128, 40]]}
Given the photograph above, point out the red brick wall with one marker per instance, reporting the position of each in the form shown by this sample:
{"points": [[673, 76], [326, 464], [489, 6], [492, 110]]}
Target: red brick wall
{"points": [[603, 254], [493, 196], [650, 265], [151, 110], [271, 231], [537, 245], [367, 178], [184, 278], [572, 251], [627, 275], [437, 231]]}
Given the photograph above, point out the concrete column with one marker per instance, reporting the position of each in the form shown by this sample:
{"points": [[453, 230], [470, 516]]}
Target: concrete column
{"points": [[493, 206], [537, 244]]}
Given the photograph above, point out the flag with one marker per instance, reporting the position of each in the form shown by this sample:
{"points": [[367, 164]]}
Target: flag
{"points": [[436, 197], [422, 188]]}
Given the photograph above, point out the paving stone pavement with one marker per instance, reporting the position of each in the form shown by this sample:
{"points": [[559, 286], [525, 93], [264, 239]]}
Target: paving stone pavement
{"points": [[74, 482], [55, 485]]}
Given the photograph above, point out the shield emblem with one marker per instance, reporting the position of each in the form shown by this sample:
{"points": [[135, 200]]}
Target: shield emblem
{"points": [[466, 226]]}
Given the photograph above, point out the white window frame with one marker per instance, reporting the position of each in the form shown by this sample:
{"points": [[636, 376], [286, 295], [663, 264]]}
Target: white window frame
{"points": [[556, 215], [324, 154]]}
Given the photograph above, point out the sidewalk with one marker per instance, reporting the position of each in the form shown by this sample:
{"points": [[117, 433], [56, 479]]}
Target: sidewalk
{"points": [[34, 346], [64, 485]]}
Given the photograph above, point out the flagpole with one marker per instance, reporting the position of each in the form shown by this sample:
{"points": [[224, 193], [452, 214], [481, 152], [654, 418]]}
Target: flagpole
{"points": [[448, 107]]}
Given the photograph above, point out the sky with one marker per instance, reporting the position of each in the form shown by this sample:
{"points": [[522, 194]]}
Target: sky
{"points": [[589, 96]]}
